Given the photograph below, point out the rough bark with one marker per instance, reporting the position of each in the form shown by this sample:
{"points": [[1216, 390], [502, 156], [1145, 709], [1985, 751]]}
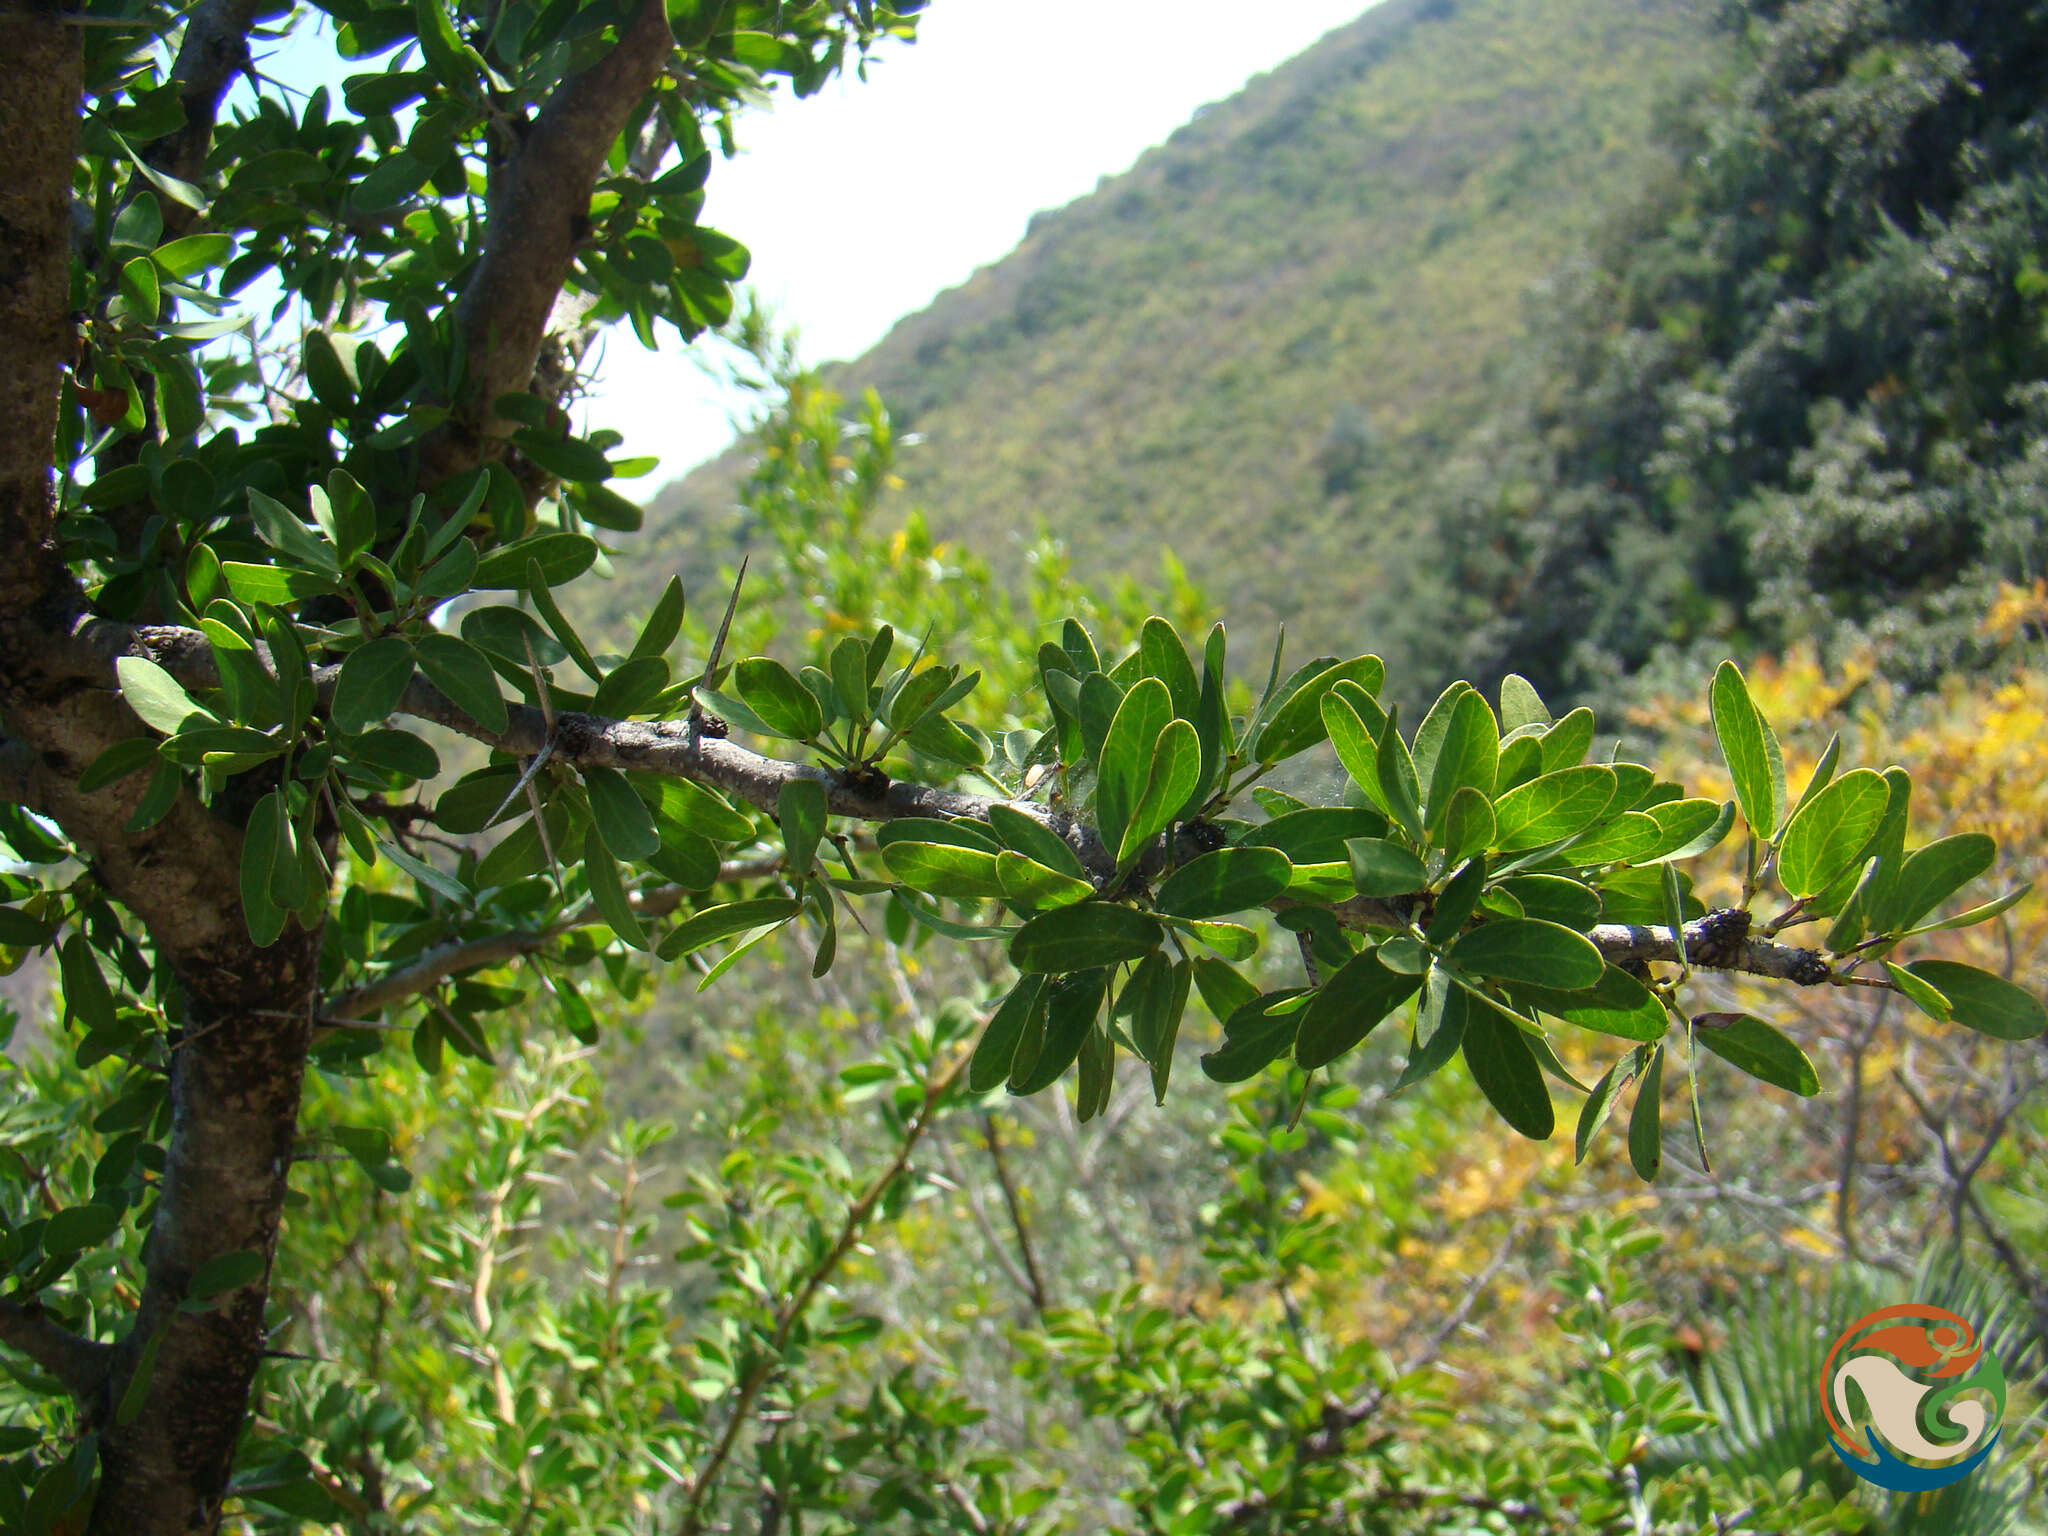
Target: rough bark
{"points": [[539, 213], [244, 1015]]}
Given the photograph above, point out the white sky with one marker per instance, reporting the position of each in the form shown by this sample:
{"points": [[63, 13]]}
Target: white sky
{"points": [[863, 202]]}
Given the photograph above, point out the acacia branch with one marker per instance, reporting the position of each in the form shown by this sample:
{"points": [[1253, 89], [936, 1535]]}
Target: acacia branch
{"points": [[80, 1364], [1720, 940]]}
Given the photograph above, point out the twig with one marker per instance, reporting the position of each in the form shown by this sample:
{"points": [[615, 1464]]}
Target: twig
{"points": [[857, 1216]]}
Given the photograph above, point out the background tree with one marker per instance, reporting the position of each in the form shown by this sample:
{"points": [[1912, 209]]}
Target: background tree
{"points": [[225, 569]]}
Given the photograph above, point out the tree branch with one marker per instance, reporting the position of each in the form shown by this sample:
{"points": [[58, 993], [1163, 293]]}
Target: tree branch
{"points": [[538, 208], [214, 50], [82, 1365], [679, 749]]}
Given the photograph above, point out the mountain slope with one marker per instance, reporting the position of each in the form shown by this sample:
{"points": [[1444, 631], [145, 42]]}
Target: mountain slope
{"points": [[1255, 344]]}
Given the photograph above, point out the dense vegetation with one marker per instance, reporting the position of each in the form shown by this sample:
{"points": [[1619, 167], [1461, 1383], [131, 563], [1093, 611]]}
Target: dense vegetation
{"points": [[753, 1070], [1797, 388]]}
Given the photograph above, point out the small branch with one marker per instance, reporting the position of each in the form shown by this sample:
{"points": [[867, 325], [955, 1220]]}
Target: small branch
{"points": [[857, 1216], [213, 51], [1040, 1297], [80, 1364]]}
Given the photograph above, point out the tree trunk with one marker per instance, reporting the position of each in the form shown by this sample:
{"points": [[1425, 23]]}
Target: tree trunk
{"points": [[240, 1049]]}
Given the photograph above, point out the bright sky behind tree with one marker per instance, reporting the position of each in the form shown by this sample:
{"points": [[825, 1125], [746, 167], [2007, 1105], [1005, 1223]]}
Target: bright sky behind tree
{"points": [[863, 202]]}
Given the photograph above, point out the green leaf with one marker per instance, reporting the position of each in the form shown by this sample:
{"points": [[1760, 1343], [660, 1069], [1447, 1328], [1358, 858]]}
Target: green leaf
{"points": [[1176, 764], [1028, 883], [155, 695], [1564, 744], [1520, 704], [1296, 723], [1233, 941], [1983, 913], [1552, 807], [1125, 765], [995, 1052], [1522, 949], [78, 1227], [561, 557], [1921, 993], [277, 585], [1083, 937], [1600, 1102], [442, 47], [962, 833], [124, 757], [140, 290], [1223, 989], [680, 803], [1758, 1049], [1989, 1004], [1156, 998], [279, 527], [1827, 839], [352, 514], [1162, 655], [944, 869], [1646, 1122], [1439, 1027], [1505, 1069], [393, 751], [1354, 744], [1933, 874], [1689, 827], [1316, 835], [20, 931], [544, 604], [917, 697], [1823, 774], [800, 808], [1468, 826], [607, 890], [1223, 881], [193, 253], [1031, 837], [1750, 749], [1621, 839], [715, 923], [779, 698], [664, 622], [1255, 1035], [1397, 782], [1457, 901], [260, 834], [86, 996], [618, 814], [372, 681], [1383, 868], [464, 673], [1347, 1007], [633, 687], [1072, 1004], [1554, 899], [1469, 755]]}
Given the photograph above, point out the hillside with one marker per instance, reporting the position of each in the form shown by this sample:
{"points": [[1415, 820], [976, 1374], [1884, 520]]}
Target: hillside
{"points": [[1256, 344]]}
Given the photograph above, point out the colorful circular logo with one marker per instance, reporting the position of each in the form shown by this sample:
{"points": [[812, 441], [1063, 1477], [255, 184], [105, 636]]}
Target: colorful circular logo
{"points": [[1913, 1401]]}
